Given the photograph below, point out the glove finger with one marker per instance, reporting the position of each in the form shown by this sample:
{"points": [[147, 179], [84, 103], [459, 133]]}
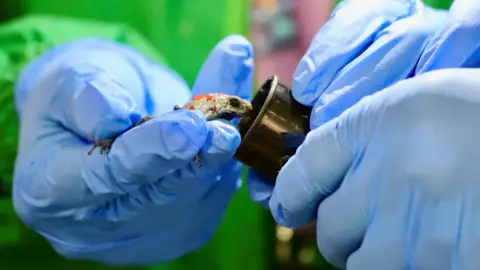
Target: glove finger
{"points": [[222, 142], [220, 145], [332, 49], [382, 64], [342, 218], [456, 43], [259, 190], [307, 178], [228, 69], [318, 167], [147, 153], [97, 92]]}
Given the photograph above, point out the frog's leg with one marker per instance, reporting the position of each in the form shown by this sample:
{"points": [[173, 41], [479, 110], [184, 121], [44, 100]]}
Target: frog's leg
{"points": [[106, 144], [144, 119], [211, 114], [196, 160]]}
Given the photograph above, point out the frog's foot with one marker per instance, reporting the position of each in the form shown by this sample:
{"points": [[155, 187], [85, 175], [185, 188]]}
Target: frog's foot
{"points": [[196, 160], [104, 145], [211, 115], [144, 119]]}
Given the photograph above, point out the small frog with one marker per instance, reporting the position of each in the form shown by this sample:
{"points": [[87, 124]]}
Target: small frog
{"points": [[106, 144], [218, 106], [213, 106]]}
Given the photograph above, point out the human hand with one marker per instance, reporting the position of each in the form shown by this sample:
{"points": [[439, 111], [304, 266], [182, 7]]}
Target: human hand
{"points": [[363, 48], [144, 202], [393, 181]]}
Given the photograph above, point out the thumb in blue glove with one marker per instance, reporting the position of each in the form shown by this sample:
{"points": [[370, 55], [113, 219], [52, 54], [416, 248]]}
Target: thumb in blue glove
{"points": [[393, 181]]}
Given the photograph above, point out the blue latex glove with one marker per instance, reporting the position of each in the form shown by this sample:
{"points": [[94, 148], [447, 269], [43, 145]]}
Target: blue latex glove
{"points": [[456, 43], [363, 48], [144, 202], [393, 182], [389, 181]]}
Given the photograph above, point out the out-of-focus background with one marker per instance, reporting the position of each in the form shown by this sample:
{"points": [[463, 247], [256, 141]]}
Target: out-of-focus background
{"points": [[180, 33]]}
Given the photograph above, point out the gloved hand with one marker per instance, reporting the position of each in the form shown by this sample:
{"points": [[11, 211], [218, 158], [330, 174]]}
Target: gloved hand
{"points": [[144, 202], [363, 48], [393, 182], [389, 181]]}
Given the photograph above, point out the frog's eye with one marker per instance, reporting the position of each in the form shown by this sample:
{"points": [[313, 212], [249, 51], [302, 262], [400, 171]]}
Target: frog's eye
{"points": [[235, 102]]}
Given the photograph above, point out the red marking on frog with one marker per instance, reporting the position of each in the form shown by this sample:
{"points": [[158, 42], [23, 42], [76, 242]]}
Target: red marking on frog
{"points": [[207, 97]]}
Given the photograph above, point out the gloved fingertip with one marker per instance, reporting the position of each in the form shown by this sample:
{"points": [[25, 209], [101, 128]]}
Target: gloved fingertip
{"points": [[302, 82], [236, 41], [235, 122], [287, 218], [99, 110], [279, 215], [259, 190], [93, 90], [185, 131], [226, 130], [221, 143], [237, 47], [177, 135], [228, 69]]}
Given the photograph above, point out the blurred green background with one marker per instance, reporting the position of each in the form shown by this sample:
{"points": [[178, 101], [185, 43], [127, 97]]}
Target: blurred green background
{"points": [[179, 33]]}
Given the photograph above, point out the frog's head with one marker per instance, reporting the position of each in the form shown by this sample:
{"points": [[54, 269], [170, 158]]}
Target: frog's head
{"points": [[233, 106]]}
